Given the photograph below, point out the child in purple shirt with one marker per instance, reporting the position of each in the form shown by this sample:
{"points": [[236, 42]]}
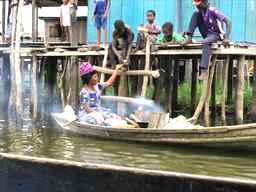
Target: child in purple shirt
{"points": [[100, 15], [210, 22]]}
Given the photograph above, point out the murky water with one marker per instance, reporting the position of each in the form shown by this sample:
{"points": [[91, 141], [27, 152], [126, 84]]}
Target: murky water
{"points": [[52, 142]]}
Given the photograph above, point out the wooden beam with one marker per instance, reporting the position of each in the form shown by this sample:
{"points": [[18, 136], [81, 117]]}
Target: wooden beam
{"points": [[253, 109], [34, 90], [154, 74], [224, 90], [34, 21], [239, 99], [147, 67]]}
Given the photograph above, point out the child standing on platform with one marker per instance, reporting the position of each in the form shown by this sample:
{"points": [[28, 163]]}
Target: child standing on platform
{"points": [[65, 19], [100, 16]]}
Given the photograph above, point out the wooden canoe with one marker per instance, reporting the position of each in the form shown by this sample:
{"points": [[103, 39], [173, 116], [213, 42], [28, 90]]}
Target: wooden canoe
{"points": [[239, 136]]}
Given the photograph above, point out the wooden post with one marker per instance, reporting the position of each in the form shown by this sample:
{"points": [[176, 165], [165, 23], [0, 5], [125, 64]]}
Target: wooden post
{"points": [[3, 19], [16, 92], [169, 86], [123, 92], [230, 81], [176, 77], [207, 84], [34, 21], [73, 32], [104, 64], [34, 90], [239, 103], [224, 90], [147, 67], [253, 110], [194, 84]]}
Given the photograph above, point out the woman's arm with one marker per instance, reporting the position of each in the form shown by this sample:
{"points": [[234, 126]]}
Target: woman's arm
{"points": [[112, 79]]}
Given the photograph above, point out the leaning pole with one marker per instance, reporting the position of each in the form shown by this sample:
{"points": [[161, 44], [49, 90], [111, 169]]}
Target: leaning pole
{"points": [[15, 108]]}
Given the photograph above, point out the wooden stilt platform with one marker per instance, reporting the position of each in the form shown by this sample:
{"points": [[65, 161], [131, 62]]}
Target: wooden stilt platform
{"points": [[227, 54]]}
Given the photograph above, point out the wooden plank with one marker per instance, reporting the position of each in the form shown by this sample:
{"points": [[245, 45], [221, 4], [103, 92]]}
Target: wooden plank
{"points": [[154, 74], [224, 90], [253, 109], [34, 91], [104, 65], [239, 99], [147, 67], [194, 75]]}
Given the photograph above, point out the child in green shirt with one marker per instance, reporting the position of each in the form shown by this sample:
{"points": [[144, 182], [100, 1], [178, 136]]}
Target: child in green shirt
{"points": [[170, 36]]}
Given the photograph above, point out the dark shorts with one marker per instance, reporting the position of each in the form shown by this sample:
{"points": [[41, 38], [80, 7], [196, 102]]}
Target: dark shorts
{"points": [[100, 22]]}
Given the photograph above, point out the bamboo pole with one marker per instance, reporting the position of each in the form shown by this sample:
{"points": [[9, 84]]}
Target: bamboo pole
{"points": [[206, 91], [3, 19], [104, 64], [154, 74], [16, 86], [34, 90], [253, 109], [34, 21], [147, 67], [194, 84], [239, 102], [224, 90]]}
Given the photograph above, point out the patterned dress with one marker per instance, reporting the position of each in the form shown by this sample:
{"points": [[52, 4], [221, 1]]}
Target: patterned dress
{"points": [[101, 115]]}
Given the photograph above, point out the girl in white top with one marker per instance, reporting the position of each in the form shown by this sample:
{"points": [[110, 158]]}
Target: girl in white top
{"points": [[65, 19]]}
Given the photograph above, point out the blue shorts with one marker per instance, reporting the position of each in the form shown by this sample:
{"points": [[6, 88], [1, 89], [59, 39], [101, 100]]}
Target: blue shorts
{"points": [[100, 22]]}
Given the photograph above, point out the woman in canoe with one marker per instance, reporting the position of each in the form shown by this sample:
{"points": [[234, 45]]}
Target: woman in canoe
{"points": [[91, 110]]}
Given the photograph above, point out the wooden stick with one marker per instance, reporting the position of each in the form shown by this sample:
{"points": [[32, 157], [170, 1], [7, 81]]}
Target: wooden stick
{"points": [[154, 74], [206, 91], [224, 90], [239, 103], [194, 85], [253, 109], [34, 87], [147, 67], [104, 64]]}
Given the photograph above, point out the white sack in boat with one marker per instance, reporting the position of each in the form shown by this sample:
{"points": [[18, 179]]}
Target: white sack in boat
{"points": [[68, 114], [179, 122]]}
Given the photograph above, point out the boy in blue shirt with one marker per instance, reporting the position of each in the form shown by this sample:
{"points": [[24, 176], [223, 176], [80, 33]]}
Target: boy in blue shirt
{"points": [[100, 16]]}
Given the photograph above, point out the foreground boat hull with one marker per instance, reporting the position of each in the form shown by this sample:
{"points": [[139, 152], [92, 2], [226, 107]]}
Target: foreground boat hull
{"points": [[243, 136]]}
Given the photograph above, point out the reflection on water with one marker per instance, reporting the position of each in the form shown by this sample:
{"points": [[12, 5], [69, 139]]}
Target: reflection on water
{"points": [[54, 143]]}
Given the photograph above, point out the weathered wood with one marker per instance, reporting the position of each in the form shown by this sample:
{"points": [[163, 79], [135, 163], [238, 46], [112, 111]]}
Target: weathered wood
{"points": [[16, 96], [3, 19], [224, 136], [154, 74], [147, 67], [34, 89], [169, 86], [230, 81], [158, 120], [34, 21], [194, 84], [224, 90], [207, 84], [176, 78], [123, 92], [253, 109], [239, 102], [104, 64]]}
